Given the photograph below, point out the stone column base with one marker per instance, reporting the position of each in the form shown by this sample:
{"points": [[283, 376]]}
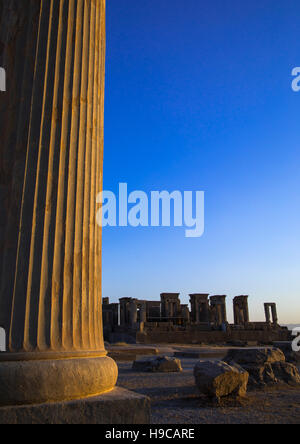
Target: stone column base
{"points": [[54, 380], [116, 407]]}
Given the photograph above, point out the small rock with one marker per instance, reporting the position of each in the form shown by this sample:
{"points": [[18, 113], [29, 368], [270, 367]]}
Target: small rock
{"points": [[158, 365], [218, 379]]}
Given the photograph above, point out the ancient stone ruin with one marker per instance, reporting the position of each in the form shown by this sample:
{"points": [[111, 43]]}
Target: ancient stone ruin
{"points": [[51, 126], [205, 320]]}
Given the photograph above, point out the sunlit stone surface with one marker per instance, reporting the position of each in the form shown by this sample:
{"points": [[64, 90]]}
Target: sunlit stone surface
{"points": [[51, 126]]}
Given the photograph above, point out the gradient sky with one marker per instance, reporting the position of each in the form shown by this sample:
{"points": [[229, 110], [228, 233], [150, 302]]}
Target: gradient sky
{"points": [[198, 97]]}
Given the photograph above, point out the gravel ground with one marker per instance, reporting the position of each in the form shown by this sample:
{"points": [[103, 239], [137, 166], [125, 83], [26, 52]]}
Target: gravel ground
{"points": [[175, 400]]}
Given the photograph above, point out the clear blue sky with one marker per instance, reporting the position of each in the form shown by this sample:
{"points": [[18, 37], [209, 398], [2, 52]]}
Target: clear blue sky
{"points": [[198, 97]]}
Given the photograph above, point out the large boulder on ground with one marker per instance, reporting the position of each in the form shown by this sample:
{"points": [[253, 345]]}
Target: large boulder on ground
{"points": [[259, 375], [217, 379], [257, 356], [158, 365], [286, 372], [291, 356], [265, 366]]}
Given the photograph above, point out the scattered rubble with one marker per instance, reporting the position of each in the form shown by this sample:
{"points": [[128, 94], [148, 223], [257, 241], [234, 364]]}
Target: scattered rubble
{"points": [[266, 367]]}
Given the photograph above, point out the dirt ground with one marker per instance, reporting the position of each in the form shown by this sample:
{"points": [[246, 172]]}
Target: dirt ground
{"points": [[175, 400]]}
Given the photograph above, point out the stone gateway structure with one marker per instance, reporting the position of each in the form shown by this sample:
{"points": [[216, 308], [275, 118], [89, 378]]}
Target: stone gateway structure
{"points": [[51, 126], [169, 321]]}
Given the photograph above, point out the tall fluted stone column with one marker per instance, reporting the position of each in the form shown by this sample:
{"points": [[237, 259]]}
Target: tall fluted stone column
{"points": [[51, 126]]}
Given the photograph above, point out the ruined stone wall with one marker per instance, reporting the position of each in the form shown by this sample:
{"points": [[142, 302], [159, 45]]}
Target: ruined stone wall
{"points": [[212, 337]]}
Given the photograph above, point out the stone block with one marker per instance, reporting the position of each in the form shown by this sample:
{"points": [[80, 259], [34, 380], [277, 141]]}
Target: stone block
{"points": [[218, 379], [116, 407]]}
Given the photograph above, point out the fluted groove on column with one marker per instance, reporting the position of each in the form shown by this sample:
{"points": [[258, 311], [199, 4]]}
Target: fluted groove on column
{"points": [[60, 297], [92, 221], [87, 306], [68, 314], [54, 299], [34, 314], [99, 173], [31, 175], [78, 307], [21, 75], [97, 81], [54, 281]]}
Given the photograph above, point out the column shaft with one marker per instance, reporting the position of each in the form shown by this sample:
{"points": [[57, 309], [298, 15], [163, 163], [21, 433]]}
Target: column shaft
{"points": [[50, 287], [51, 156]]}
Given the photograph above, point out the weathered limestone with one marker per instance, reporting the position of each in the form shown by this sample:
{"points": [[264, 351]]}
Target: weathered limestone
{"points": [[51, 158], [133, 314], [51, 124], [206, 323], [142, 315], [256, 356], [158, 365], [110, 313], [218, 310], [265, 366], [273, 308], [199, 308], [217, 379], [153, 311], [125, 311], [170, 305], [185, 312], [116, 407], [291, 356], [241, 310]]}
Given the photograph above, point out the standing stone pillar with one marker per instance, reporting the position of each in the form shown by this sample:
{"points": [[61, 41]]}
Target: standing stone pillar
{"points": [[143, 313], [273, 308], [133, 314], [200, 308], [51, 125], [197, 312], [274, 314], [218, 308], [241, 310], [267, 313]]}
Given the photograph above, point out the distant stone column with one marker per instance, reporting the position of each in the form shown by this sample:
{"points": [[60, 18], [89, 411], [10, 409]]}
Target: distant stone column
{"points": [[143, 313], [274, 314], [218, 303], [267, 313], [51, 171], [200, 312], [133, 314], [241, 310], [273, 308]]}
